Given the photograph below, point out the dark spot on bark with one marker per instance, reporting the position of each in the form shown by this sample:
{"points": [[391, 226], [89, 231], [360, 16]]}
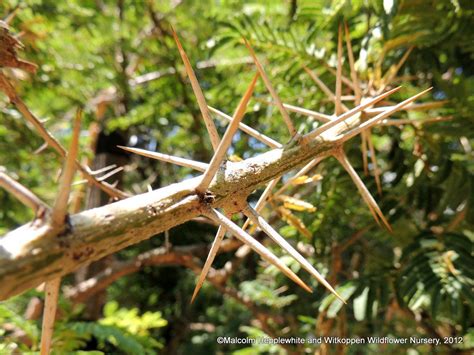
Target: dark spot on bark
{"points": [[207, 198], [151, 210]]}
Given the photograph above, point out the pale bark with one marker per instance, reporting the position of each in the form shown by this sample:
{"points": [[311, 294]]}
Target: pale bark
{"points": [[33, 254]]}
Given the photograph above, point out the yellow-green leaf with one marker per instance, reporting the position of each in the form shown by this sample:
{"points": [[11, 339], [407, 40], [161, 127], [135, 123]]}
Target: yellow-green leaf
{"points": [[296, 204]]}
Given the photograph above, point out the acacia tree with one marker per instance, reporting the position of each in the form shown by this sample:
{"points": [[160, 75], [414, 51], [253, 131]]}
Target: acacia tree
{"points": [[56, 244]]}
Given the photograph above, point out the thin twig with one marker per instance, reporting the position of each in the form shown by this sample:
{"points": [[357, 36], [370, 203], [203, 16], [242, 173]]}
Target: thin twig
{"points": [[43, 132], [23, 194]]}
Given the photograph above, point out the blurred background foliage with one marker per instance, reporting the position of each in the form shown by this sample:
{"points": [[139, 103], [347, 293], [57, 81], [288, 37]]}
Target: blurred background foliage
{"points": [[118, 61]]}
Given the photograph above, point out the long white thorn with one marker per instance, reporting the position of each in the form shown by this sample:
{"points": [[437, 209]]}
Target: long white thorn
{"points": [[221, 150], [262, 200], [196, 165], [412, 107], [303, 111], [277, 238], [373, 158], [393, 70], [59, 211], [323, 86], [211, 128], [273, 93], [373, 121], [210, 259], [348, 114], [255, 245], [337, 99], [49, 314], [350, 55], [373, 207], [249, 130]]}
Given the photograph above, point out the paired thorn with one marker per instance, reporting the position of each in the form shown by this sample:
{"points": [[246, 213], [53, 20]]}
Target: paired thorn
{"points": [[373, 207], [277, 238], [348, 114], [373, 121], [23, 194], [273, 93], [249, 130], [59, 211], [103, 177], [196, 165], [221, 150], [211, 128], [255, 245]]}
